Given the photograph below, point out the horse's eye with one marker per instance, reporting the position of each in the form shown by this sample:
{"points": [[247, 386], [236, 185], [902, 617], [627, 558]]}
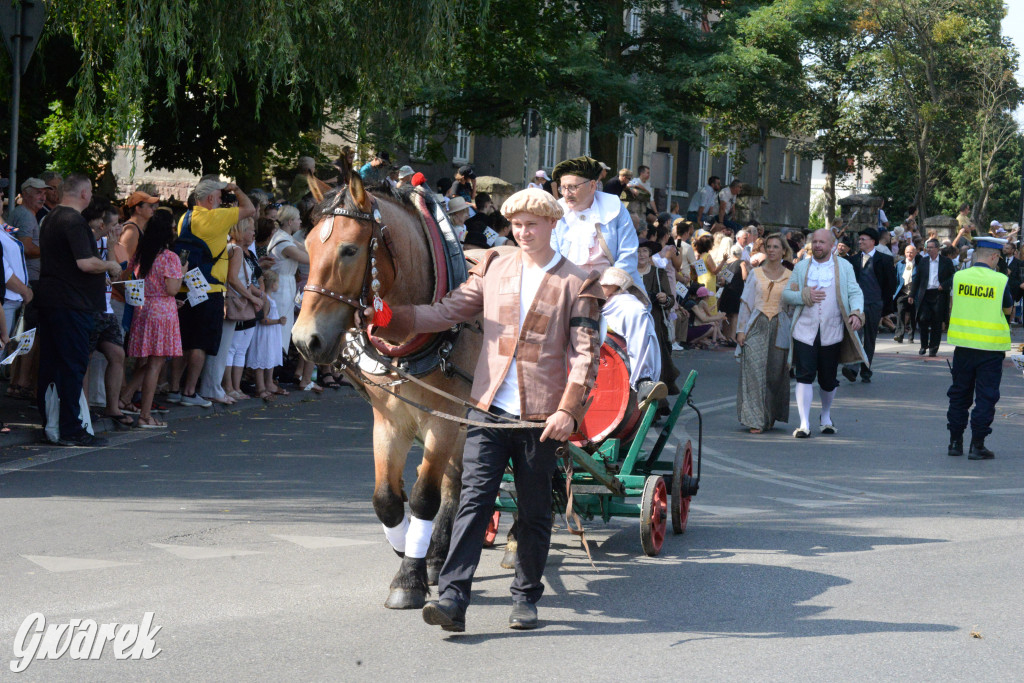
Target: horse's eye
{"points": [[349, 251]]}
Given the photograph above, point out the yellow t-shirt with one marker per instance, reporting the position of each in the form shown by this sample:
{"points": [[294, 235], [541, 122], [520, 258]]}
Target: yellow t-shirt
{"points": [[213, 227]]}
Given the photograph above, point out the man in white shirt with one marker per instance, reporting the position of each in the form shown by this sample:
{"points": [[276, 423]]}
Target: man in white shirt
{"points": [[16, 271], [727, 205], [626, 313], [641, 182], [744, 239], [704, 203], [823, 289]]}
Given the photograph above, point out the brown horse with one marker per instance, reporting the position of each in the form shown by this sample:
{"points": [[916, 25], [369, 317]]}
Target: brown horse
{"points": [[341, 244]]}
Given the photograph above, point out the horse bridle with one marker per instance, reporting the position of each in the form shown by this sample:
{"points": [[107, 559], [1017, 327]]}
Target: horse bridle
{"points": [[378, 236]]}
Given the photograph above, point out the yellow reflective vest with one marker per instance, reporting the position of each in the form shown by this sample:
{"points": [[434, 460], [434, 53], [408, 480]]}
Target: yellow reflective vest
{"points": [[977, 321]]}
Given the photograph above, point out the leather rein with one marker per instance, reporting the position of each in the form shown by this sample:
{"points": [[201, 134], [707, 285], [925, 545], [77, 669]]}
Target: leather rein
{"points": [[371, 287]]}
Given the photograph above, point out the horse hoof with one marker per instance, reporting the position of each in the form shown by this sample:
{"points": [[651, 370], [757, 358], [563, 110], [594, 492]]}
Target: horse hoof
{"points": [[405, 598], [508, 560], [433, 573]]}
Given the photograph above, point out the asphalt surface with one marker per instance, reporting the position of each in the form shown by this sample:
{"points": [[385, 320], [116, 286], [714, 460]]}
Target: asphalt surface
{"points": [[867, 555]]}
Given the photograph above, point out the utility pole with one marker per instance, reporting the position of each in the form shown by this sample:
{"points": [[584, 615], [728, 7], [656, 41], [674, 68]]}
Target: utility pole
{"points": [[22, 22]]}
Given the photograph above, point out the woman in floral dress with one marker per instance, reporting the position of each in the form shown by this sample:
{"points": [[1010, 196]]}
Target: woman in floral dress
{"points": [[155, 335]]}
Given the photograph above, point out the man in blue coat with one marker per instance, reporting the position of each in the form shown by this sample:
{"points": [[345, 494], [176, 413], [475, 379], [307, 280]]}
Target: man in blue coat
{"points": [[596, 231]]}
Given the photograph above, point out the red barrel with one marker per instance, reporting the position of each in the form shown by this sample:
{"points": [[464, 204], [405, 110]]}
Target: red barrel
{"points": [[613, 412]]}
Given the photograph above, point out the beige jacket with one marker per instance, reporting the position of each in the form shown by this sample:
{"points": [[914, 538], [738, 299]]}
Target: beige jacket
{"points": [[556, 351]]}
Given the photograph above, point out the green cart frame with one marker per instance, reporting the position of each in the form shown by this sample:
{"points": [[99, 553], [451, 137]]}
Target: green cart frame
{"points": [[604, 479]]}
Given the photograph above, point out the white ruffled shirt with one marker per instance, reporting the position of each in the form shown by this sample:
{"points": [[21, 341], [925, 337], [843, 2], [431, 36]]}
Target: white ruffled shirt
{"points": [[821, 318]]}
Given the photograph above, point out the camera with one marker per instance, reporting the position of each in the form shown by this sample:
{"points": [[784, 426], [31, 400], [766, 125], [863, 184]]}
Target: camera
{"points": [[228, 198]]}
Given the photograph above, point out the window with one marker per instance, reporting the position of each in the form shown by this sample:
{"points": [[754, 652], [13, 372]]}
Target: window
{"points": [[634, 23], [790, 166], [461, 145], [730, 157], [702, 166], [419, 139], [628, 141], [549, 148]]}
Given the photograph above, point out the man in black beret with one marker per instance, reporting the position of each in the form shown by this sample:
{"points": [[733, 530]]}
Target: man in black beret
{"points": [[876, 275], [596, 231]]}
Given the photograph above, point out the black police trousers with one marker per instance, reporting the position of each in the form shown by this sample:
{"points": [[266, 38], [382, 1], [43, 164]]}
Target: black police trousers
{"points": [[976, 377]]}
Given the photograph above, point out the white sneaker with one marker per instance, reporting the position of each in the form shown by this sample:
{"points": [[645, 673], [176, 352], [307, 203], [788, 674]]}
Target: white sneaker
{"points": [[195, 400], [174, 397], [676, 346]]}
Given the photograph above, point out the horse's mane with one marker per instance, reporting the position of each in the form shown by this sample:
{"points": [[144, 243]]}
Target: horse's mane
{"points": [[340, 198]]}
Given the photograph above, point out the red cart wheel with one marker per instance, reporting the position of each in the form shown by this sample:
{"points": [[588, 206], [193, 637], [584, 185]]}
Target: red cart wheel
{"points": [[492, 529], [682, 473], [653, 515]]}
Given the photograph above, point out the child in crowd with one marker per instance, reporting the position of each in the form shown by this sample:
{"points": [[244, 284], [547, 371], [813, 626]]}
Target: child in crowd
{"points": [[265, 352]]}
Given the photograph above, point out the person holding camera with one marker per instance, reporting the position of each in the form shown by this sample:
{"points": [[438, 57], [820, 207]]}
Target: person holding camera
{"points": [[208, 225], [464, 185]]}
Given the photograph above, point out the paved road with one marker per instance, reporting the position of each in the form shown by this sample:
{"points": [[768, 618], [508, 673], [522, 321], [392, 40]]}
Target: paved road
{"points": [[868, 555]]}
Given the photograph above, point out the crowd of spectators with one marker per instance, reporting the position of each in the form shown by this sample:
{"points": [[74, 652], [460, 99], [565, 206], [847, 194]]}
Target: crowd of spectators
{"points": [[233, 342]]}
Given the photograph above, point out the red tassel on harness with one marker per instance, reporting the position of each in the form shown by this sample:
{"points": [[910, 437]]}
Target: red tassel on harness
{"points": [[381, 312]]}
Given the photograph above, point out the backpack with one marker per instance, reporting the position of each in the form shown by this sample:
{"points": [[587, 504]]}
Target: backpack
{"points": [[199, 254]]}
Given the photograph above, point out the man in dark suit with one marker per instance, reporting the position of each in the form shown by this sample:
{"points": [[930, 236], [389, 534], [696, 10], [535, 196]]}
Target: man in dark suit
{"points": [[930, 296], [876, 275]]}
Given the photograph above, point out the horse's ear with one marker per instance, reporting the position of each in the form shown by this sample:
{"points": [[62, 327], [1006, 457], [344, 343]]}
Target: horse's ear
{"points": [[358, 192]]}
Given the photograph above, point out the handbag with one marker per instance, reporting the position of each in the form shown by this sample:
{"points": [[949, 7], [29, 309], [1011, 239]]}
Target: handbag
{"points": [[236, 306]]}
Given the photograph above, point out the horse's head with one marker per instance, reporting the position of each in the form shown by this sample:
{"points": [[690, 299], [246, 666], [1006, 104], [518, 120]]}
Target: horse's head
{"points": [[346, 237]]}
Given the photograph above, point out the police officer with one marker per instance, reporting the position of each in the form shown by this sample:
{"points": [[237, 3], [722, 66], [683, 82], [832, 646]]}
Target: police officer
{"points": [[978, 330]]}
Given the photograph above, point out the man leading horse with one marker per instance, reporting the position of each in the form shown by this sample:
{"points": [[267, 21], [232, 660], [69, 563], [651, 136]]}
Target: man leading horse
{"points": [[540, 317]]}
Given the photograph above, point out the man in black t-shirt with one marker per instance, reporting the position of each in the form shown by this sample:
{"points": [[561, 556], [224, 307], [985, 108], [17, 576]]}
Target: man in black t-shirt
{"points": [[71, 289]]}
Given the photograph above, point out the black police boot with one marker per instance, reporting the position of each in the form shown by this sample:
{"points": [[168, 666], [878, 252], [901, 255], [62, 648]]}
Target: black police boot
{"points": [[956, 445], [979, 452]]}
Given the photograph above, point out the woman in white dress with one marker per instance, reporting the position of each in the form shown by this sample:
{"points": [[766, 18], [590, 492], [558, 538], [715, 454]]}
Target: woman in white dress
{"points": [[288, 254]]}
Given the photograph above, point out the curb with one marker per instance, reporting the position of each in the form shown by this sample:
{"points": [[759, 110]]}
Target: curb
{"points": [[33, 436]]}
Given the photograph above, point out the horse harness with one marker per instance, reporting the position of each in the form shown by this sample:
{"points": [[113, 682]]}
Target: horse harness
{"points": [[379, 235]]}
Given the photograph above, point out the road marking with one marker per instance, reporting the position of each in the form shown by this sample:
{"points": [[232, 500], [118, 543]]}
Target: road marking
{"points": [[851, 492], [808, 503], [195, 552], [724, 511], [1001, 492], [71, 564], [318, 542], [62, 453]]}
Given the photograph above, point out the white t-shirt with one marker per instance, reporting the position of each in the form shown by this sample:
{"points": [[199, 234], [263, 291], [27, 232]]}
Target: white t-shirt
{"points": [[729, 198], [14, 262], [507, 396]]}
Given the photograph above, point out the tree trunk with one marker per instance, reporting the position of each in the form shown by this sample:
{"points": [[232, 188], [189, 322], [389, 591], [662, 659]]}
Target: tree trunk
{"points": [[830, 197], [605, 113]]}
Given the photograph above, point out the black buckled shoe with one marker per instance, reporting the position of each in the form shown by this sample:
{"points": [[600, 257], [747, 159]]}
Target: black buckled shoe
{"points": [[979, 452], [445, 613], [523, 617], [956, 445], [850, 374]]}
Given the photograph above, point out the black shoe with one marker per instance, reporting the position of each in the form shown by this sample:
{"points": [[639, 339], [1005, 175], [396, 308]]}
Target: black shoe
{"points": [[898, 339], [523, 617], [850, 374], [979, 452], [956, 446], [83, 440], [932, 353], [922, 351], [445, 613], [865, 379]]}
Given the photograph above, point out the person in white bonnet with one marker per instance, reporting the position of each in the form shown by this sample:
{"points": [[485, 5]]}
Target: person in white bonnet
{"points": [[625, 313]]}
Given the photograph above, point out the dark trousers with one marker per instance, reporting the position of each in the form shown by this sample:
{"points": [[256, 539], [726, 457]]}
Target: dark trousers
{"points": [[868, 333], [906, 320], [976, 377], [486, 455], [931, 316], [63, 338], [816, 360]]}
